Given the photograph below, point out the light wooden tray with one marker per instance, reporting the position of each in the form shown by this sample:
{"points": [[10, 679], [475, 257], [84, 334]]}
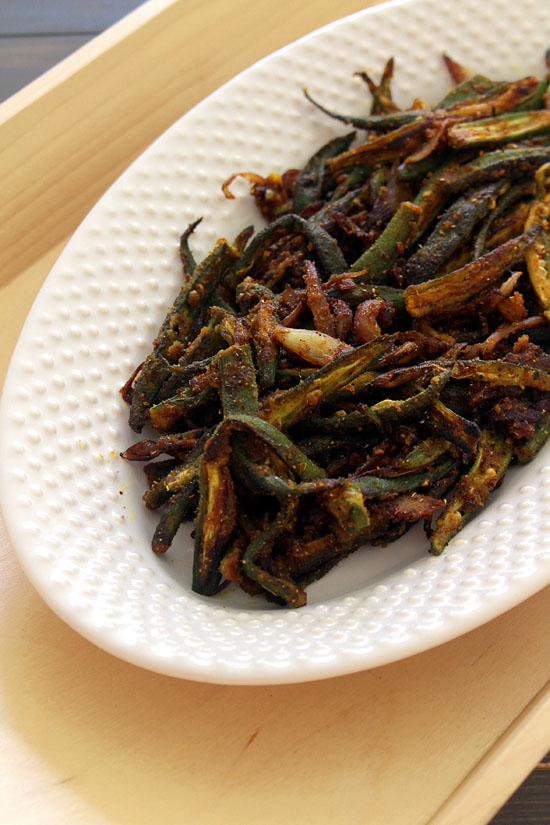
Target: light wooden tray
{"points": [[441, 738]]}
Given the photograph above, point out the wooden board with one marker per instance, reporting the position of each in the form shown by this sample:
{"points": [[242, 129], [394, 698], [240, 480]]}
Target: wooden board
{"points": [[441, 738]]}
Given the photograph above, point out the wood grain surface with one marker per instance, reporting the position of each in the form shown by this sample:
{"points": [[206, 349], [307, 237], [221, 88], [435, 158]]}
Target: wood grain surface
{"points": [[441, 738]]}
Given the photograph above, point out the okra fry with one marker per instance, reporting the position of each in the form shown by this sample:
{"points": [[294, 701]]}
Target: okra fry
{"points": [[293, 441]]}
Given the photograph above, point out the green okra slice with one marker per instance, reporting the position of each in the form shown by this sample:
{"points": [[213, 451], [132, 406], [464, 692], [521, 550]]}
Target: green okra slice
{"points": [[168, 414], [238, 389], [284, 408], [537, 257], [176, 444], [510, 196], [451, 231], [365, 292], [416, 169], [379, 258], [186, 256], [492, 131], [175, 512], [390, 411], [382, 102], [177, 327], [422, 456], [310, 180], [451, 178], [375, 123], [503, 373], [527, 450], [473, 488], [283, 588], [390, 146], [536, 99], [327, 251], [372, 486], [345, 503], [498, 164], [460, 431], [471, 89], [450, 292], [216, 515], [504, 97], [262, 478]]}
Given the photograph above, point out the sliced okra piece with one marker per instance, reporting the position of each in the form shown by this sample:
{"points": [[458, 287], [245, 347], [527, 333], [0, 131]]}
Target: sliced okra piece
{"points": [[238, 389], [451, 231], [391, 411], [186, 257], [492, 131], [262, 478], [504, 97], [310, 180], [175, 512], [326, 249], [379, 258], [537, 257], [375, 487], [527, 450], [284, 408], [176, 328], [382, 102], [375, 123], [345, 503], [390, 146], [216, 515], [364, 292], [502, 373], [282, 588], [470, 89], [176, 444], [460, 431], [422, 456], [473, 488], [169, 413], [510, 196], [450, 292]]}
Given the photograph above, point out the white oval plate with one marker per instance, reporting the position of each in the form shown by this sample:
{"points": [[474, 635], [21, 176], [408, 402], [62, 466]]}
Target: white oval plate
{"points": [[73, 508]]}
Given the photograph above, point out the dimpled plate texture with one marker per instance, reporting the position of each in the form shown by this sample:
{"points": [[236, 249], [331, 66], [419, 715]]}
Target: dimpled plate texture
{"points": [[73, 507]]}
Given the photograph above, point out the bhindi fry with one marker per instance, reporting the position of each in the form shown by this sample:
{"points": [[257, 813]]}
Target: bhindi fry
{"points": [[376, 356]]}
